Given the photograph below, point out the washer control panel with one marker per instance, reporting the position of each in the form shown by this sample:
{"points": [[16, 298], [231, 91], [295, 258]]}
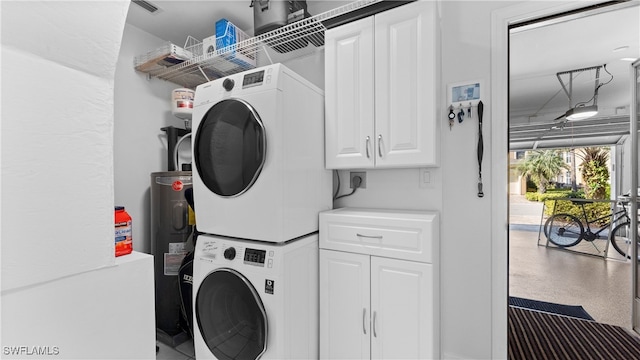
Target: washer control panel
{"points": [[254, 256], [223, 252]]}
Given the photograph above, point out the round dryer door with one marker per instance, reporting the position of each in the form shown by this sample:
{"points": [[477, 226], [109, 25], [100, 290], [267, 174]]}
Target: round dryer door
{"points": [[230, 147], [231, 316]]}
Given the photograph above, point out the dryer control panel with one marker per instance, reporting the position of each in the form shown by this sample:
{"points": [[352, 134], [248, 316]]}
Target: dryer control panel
{"points": [[253, 79]]}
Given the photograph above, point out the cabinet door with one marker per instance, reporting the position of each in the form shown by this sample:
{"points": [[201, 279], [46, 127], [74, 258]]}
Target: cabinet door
{"points": [[344, 305], [349, 95], [405, 99], [402, 303]]}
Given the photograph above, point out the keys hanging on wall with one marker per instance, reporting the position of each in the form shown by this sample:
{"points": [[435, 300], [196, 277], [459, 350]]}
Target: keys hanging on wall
{"points": [[460, 114], [451, 117]]}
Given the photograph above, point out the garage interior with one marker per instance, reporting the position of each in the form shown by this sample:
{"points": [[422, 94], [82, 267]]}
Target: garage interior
{"points": [[574, 60]]}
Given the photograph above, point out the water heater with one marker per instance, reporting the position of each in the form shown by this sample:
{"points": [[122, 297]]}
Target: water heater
{"points": [[170, 231]]}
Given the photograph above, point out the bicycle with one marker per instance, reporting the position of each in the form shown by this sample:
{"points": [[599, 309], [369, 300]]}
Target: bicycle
{"points": [[567, 230], [620, 236]]}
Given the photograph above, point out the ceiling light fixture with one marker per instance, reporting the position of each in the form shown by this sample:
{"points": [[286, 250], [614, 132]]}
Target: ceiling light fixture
{"points": [[586, 109], [581, 113]]}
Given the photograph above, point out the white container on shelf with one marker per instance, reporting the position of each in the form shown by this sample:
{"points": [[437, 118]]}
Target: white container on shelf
{"points": [[182, 103]]}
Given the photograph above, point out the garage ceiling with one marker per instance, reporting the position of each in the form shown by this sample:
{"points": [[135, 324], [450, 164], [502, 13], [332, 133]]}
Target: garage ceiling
{"points": [[609, 35]]}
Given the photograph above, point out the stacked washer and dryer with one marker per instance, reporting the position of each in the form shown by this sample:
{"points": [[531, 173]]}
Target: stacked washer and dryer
{"points": [[259, 184]]}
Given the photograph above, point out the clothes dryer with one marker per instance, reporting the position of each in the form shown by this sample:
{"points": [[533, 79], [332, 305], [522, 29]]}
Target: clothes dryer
{"points": [[259, 155], [255, 299]]}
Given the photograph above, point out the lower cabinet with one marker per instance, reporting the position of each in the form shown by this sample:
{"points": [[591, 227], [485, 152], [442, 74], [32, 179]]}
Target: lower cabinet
{"points": [[374, 307]]}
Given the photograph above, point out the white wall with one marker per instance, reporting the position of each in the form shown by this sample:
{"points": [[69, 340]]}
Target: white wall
{"points": [[61, 284], [142, 108], [57, 129], [102, 314], [466, 221]]}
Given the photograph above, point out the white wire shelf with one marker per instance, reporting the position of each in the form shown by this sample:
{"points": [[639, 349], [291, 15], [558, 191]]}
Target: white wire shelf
{"points": [[294, 40]]}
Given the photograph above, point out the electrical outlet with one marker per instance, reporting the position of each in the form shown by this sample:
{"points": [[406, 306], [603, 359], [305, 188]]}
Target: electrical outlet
{"points": [[363, 177]]}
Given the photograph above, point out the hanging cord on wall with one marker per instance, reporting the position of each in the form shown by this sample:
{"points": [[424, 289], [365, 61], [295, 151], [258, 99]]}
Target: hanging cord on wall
{"points": [[480, 148], [335, 195], [357, 181]]}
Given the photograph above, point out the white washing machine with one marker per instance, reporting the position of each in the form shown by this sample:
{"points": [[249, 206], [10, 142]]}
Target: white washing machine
{"points": [[255, 299], [259, 156]]}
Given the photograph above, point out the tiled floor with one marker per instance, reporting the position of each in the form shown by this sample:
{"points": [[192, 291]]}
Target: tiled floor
{"points": [[183, 351]]}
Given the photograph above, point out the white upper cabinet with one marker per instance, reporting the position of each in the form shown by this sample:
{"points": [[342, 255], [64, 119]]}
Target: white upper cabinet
{"points": [[349, 95], [380, 81]]}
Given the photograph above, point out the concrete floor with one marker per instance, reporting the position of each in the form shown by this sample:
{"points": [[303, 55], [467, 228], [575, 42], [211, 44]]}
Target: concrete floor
{"points": [[601, 285]]}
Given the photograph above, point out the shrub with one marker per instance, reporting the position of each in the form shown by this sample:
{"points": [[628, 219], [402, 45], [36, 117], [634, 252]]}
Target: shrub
{"points": [[554, 194], [593, 210], [531, 196]]}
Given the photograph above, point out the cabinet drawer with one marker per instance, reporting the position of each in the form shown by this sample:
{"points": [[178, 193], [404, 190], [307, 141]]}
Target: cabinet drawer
{"points": [[408, 235]]}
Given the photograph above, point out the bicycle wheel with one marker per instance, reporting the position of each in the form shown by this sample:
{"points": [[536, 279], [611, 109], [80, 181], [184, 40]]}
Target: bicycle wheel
{"points": [[620, 238], [564, 230]]}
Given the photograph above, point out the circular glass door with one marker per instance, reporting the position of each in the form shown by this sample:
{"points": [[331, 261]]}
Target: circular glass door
{"points": [[230, 147], [231, 316]]}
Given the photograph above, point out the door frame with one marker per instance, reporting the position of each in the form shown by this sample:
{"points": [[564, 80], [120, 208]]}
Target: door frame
{"points": [[501, 20], [635, 298]]}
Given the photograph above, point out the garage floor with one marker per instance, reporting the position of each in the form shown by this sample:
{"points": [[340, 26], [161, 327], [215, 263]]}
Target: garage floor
{"points": [[602, 286]]}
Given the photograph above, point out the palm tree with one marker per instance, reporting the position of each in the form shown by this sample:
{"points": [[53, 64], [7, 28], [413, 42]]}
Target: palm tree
{"points": [[595, 171], [541, 167]]}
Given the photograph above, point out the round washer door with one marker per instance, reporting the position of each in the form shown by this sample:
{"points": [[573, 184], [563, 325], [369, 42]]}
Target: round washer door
{"points": [[231, 317], [230, 147]]}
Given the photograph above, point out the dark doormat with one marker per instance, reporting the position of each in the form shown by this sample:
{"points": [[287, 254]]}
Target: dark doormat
{"points": [[540, 335], [575, 311]]}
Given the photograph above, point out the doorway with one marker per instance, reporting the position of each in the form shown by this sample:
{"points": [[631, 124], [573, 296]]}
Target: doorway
{"points": [[557, 64], [502, 20]]}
